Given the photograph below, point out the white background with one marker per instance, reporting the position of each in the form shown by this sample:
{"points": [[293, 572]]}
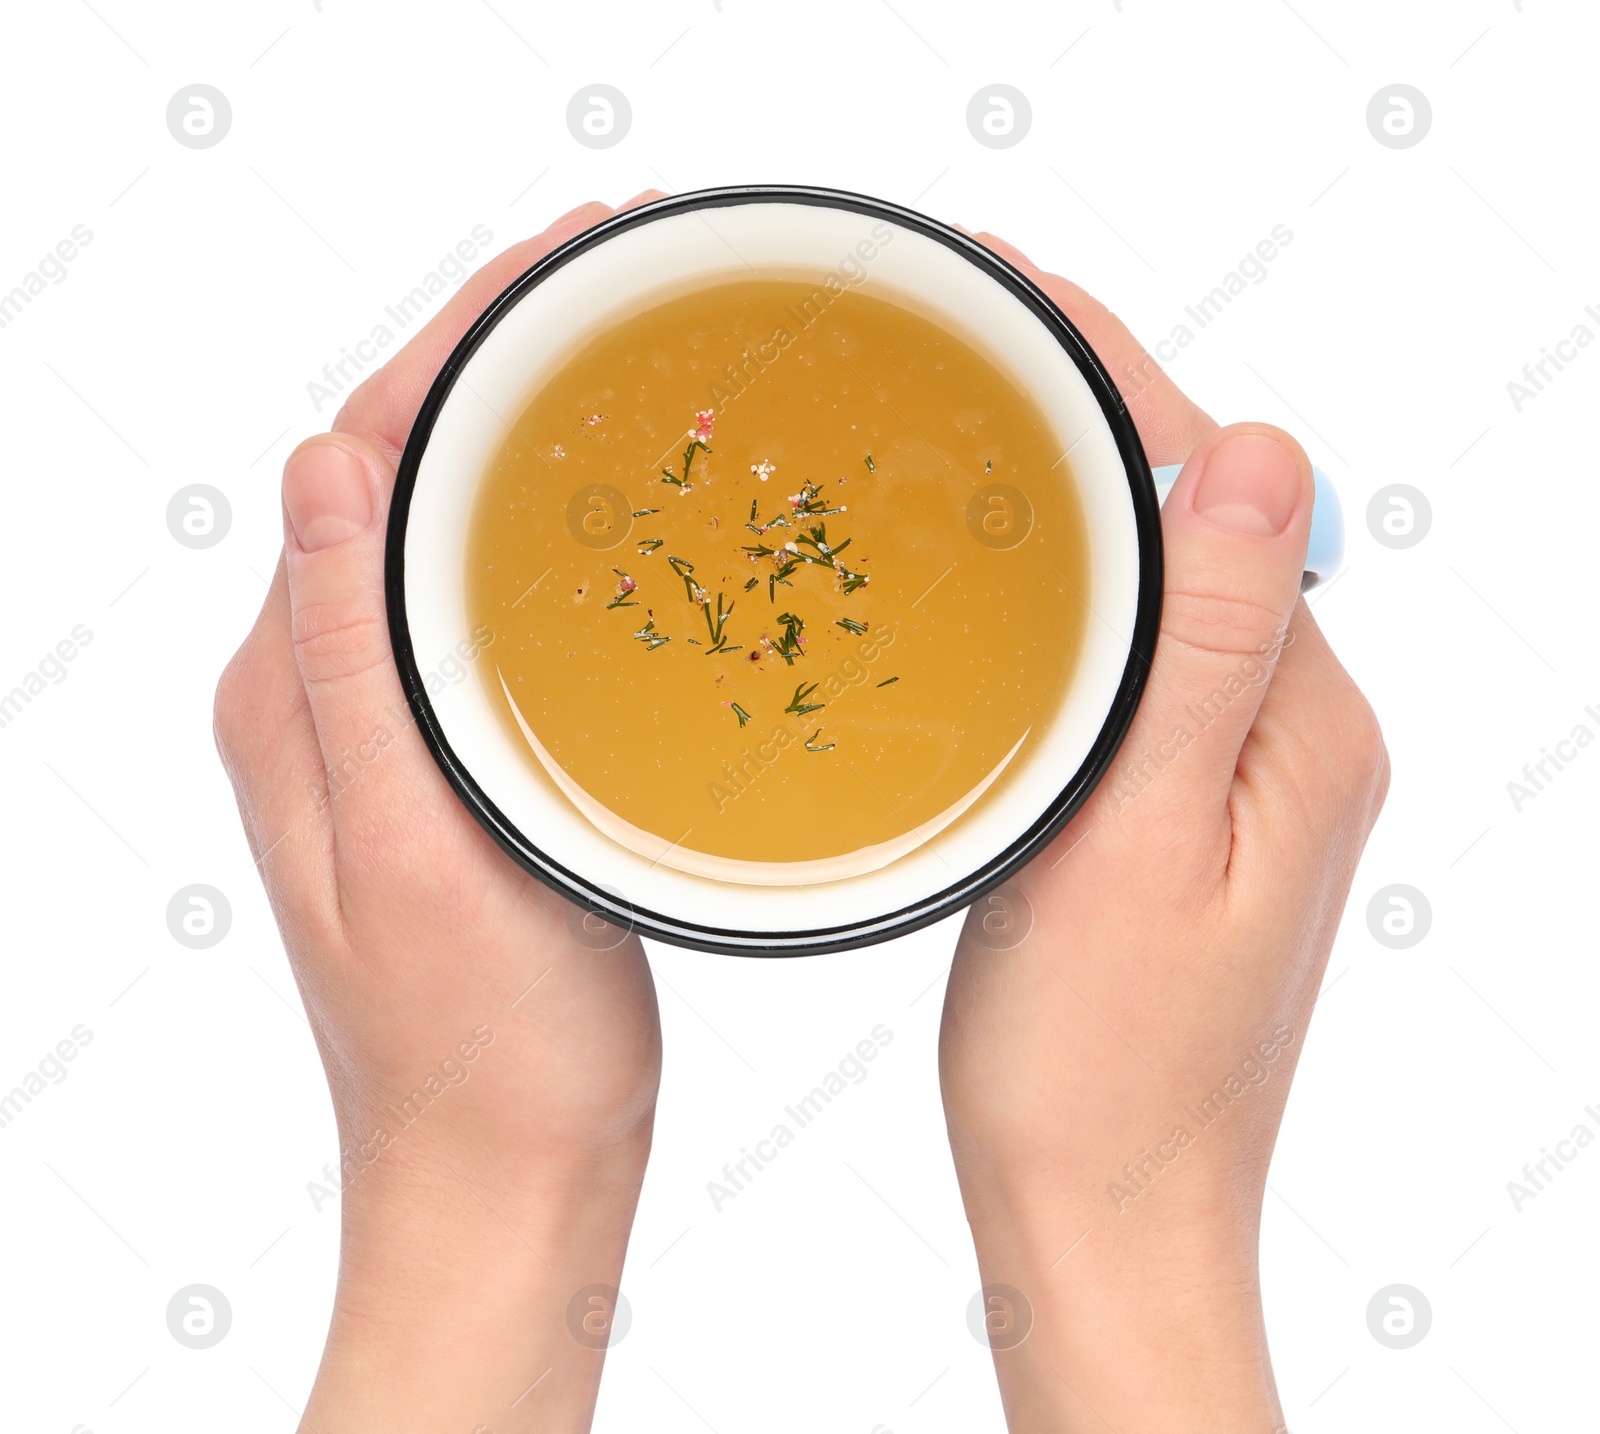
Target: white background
{"points": [[1167, 139]]}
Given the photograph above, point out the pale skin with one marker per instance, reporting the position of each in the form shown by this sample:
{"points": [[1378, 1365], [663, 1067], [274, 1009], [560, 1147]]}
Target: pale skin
{"points": [[1183, 931], [1189, 928]]}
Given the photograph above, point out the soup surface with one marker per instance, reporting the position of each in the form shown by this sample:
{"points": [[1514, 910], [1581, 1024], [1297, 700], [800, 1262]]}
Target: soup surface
{"points": [[773, 575]]}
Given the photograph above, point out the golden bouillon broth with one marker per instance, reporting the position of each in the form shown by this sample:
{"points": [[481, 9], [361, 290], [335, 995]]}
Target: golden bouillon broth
{"points": [[752, 567]]}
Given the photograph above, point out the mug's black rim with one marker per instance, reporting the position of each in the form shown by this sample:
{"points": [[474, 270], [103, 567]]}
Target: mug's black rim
{"points": [[608, 904]]}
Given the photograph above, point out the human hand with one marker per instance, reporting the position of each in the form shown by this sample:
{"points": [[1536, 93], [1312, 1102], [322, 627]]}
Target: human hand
{"points": [[1114, 1083], [493, 1077]]}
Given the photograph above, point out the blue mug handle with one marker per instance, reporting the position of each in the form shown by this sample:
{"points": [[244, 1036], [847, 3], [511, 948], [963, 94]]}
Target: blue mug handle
{"points": [[1325, 552]]}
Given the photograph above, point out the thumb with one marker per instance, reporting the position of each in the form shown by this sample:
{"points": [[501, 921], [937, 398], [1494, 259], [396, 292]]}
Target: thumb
{"points": [[1234, 531], [335, 497]]}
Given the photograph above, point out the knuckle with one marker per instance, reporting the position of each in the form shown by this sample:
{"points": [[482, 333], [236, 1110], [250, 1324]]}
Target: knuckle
{"points": [[1341, 757], [230, 705], [1380, 785], [1365, 735], [1360, 737], [334, 640], [1365, 754], [1220, 624]]}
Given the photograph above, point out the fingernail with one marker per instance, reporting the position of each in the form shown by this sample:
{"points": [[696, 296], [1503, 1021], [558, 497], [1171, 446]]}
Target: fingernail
{"points": [[1250, 484], [326, 493]]}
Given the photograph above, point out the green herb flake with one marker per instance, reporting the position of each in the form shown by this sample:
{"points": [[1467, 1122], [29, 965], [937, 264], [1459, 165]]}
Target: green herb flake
{"points": [[871, 466], [788, 646], [781, 576], [684, 568], [809, 500], [740, 713], [668, 476], [798, 704], [650, 637], [887, 681], [812, 745], [850, 625], [717, 625]]}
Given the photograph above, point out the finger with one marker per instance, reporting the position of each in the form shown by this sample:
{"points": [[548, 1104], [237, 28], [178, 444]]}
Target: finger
{"points": [[336, 492], [335, 499], [267, 740], [1234, 532], [1314, 771], [1171, 425], [647, 196], [381, 410], [1004, 248]]}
